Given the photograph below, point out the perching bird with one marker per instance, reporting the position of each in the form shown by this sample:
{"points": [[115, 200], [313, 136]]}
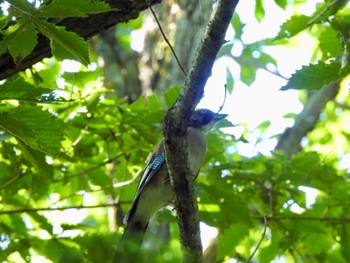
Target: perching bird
{"points": [[154, 189]]}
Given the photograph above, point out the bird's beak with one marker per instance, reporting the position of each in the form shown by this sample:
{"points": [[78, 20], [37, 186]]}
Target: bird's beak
{"points": [[218, 116]]}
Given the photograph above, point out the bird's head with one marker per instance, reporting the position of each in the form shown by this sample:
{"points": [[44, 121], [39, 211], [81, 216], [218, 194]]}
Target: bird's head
{"points": [[205, 119]]}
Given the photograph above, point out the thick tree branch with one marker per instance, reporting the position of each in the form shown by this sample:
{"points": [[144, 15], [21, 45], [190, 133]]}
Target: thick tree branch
{"points": [[289, 142], [85, 27], [175, 127]]}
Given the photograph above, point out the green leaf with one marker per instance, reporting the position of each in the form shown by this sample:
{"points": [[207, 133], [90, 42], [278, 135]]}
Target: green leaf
{"points": [[267, 254], [36, 128], [7, 37], [3, 22], [281, 3], [237, 25], [80, 78], [329, 43], [345, 240], [171, 95], [259, 10], [22, 5], [326, 10], [20, 90], [232, 207], [230, 239], [314, 77], [68, 8], [18, 50], [341, 23], [38, 161], [64, 44], [229, 81], [293, 26]]}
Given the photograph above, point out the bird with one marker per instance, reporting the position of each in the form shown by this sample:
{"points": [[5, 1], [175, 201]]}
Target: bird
{"points": [[154, 188]]}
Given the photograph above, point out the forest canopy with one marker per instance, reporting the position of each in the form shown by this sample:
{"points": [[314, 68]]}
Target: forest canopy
{"points": [[86, 84]]}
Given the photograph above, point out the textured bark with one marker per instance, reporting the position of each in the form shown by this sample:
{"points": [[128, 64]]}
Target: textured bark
{"points": [[175, 126], [183, 23], [85, 27]]}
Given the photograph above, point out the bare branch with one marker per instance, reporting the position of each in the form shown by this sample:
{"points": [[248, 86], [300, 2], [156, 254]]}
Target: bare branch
{"points": [[337, 220], [261, 240], [165, 38], [175, 127], [290, 140], [34, 210]]}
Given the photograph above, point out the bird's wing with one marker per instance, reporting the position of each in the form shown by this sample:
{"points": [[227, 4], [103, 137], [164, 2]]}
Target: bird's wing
{"points": [[154, 163]]}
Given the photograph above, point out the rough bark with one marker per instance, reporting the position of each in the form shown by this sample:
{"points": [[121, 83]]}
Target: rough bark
{"points": [[183, 23], [85, 27], [175, 126]]}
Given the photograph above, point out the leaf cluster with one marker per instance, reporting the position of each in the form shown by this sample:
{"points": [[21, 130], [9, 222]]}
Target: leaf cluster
{"points": [[31, 21], [69, 143]]}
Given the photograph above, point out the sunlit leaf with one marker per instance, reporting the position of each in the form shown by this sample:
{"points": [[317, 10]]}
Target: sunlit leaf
{"points": [[20, 90], [64, 44], [67, 8], [36, 128], [16, 48], [293, 26], [259, 10], [315, 77], [229, 81]]}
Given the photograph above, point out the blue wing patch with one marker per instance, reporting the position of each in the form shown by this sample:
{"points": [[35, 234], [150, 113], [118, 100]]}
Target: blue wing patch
{"points": [[157, 162]]}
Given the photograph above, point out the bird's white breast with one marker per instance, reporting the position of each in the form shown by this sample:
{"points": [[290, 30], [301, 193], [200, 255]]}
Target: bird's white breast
{"points": [[197, 146]]}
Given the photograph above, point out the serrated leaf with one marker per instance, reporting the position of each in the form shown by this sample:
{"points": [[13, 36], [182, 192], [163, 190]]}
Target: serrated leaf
{"points": [[65, 44], [314, 77], [68, 8], [77, 8], [36, 128], [293, 26], [53, 10], [18, 89], [7, 37], [17, 49], [22, 5]]}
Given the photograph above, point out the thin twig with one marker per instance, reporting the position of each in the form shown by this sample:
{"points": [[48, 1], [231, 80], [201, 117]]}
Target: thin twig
{"points": [[313, 20], [223, 102], [32, 210], [165, 38], [11, 181], [308, 218], [261, 240]]}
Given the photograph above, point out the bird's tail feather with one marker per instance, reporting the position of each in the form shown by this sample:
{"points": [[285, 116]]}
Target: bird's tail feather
{"points": [[128, 250]]}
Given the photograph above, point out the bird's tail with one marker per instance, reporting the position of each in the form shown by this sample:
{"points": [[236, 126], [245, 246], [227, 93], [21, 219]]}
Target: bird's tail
{"points": [[128, 250]]}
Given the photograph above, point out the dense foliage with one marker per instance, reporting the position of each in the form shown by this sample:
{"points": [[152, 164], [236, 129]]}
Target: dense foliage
{"points": [[71, 148]]}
